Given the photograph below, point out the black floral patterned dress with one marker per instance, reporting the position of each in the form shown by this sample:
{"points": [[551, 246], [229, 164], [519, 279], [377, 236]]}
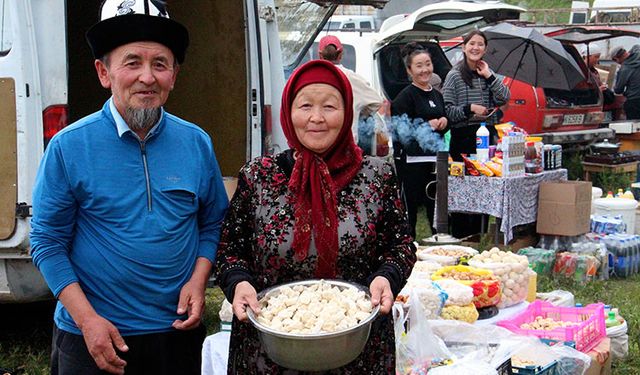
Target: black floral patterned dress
{"points": [[256, 246]]}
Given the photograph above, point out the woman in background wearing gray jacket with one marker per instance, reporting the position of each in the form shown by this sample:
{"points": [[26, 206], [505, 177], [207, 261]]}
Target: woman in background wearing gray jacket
{"points": [[471, 92], [471, 95]]}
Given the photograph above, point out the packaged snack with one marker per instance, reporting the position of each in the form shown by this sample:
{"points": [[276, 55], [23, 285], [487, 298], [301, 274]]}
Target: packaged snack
{"points": [[486, 287], [482, 168], [467, 313], [471, 169], [503, 129], [457, 168], [510, 269], [495, 168]]}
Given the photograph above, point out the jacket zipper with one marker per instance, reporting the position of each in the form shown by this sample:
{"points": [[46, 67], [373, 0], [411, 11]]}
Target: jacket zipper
{"points": [[146, 173]]}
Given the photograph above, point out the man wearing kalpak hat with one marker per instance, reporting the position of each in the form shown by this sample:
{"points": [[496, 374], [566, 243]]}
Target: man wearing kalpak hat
{"points": [[128, 205]]}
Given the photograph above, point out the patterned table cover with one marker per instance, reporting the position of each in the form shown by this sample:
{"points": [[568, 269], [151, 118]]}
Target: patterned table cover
{"points": [[513, 199]]}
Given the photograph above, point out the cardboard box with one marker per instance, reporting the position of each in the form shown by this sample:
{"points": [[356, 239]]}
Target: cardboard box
{"points": [[600, 358], [564, 208]]}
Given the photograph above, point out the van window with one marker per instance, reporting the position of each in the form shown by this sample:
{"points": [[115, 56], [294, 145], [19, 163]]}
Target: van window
{"points": [[365, 25], [348, 25], [332, 25], [6, 39], [298, 23]]}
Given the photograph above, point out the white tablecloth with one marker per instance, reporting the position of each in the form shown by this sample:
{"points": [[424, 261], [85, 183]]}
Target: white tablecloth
{"points": [[215, 353], [506, 313]]}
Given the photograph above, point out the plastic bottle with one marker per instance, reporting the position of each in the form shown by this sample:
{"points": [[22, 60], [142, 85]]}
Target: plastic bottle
{"points": [[611, 320], [628, 195], [530, 158], [533, 285], [482, 143], [558, 152], [609, 194], [619, 193]]}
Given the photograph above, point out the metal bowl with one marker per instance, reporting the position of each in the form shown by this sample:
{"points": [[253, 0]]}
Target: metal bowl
{"points": [[314, 352]]}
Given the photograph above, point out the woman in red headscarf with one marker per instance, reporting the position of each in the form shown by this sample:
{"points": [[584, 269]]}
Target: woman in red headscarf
{"points": [[317, 210]]}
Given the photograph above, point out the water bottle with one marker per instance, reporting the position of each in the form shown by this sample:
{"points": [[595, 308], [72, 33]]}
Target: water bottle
{"points": [[482, 143]]}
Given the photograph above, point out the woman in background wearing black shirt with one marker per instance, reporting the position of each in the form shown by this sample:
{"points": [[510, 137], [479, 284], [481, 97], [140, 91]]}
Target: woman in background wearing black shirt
{"points": [[422, 103]]}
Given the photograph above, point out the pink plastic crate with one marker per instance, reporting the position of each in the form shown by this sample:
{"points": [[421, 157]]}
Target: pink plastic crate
{"points": [[584, 337]]}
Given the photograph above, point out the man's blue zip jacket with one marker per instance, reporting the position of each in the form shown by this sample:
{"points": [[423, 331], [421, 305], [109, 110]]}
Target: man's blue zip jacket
{"points": [[125, 218]]}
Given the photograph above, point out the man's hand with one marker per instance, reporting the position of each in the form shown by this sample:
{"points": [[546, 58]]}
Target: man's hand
{"points": [[101, 338], [381, 294], [245, 296], [191, 302]]}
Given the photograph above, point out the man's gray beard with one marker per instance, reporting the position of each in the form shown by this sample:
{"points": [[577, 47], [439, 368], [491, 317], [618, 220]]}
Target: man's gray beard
{"points": [[141, 118]]}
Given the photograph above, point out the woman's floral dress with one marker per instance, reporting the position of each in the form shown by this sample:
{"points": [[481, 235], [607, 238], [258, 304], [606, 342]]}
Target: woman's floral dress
{"points": [[256, 246]]}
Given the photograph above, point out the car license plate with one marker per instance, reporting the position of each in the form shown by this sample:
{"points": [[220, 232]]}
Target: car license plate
{"points": [[573, 119]]}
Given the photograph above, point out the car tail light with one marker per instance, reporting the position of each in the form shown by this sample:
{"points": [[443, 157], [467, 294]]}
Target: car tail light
{"points": [[54, 118], [552, 121], [594, 118]]}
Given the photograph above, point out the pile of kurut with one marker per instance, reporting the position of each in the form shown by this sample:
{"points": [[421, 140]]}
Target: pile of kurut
{"points": [[313, 309]]}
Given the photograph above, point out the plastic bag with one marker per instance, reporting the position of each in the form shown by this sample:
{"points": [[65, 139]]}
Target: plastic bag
{"points": [[467, 313], [457, 293], [557, 298], [430, 296], [486, 287], [570, 361], [487, 343], [619, 341], [465, 367], [416, 345]]}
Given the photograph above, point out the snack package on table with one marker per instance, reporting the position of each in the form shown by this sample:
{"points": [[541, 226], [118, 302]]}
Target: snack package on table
{"points": [[486, 287], [446, 255], [510, 269], [457, 293], [430, 296], [467, 313]]}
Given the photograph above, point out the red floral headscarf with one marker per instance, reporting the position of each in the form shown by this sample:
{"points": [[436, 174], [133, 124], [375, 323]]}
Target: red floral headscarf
{"points": [[317, 178]]}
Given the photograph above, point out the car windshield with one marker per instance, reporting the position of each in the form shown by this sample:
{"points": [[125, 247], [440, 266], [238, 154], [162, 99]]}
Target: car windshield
{"points": [[298, 23]]}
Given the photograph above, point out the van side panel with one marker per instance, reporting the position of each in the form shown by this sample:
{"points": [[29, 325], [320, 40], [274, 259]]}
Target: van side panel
{"points": [[8, 160], [86, 95], [211, 89]]}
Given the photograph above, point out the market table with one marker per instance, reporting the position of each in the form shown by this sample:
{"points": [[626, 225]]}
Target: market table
{"points": [[514, 200]]}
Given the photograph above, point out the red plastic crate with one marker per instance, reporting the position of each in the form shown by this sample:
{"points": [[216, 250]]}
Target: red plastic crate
{"points": [[583, 337]]}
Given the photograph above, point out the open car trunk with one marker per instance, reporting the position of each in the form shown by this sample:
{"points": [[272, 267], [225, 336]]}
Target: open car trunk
{"points": [[393, 72], [427, 26]]}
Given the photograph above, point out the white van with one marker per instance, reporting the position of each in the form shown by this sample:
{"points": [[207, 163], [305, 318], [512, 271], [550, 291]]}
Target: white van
{"points": [[605, 12], [350, 23], [230, 85]]}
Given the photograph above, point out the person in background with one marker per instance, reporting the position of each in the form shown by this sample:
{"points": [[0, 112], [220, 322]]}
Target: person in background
{"points": [[591, 56], [128, 205], [471, 92], [628, 79], [422, 102], [366, 100], [318, 210]]}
